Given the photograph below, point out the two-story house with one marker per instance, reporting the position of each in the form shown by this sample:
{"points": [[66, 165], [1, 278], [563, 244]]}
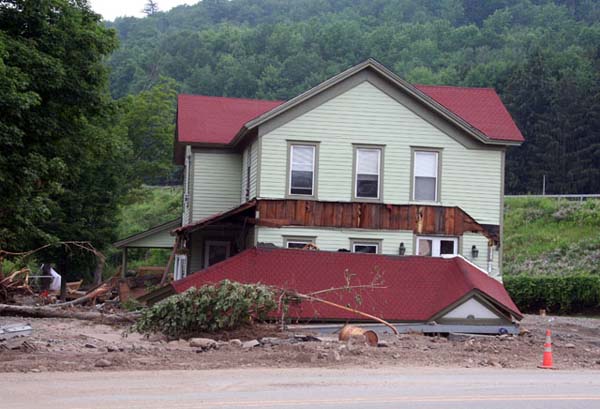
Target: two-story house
{"points": [[362, 163]]}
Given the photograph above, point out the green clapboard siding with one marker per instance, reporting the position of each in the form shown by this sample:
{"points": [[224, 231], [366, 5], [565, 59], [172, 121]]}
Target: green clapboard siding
{"points": [[471, 178], [161, 239], [216, 182], [335, 239], [479, 240]]}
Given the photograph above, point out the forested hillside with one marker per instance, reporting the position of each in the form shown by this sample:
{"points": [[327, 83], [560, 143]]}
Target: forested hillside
{"points": [[542, 56], [87, 107]]}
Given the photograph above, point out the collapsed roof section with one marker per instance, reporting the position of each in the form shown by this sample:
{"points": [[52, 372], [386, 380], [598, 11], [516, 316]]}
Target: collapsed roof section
{"points": [[415, 289]]}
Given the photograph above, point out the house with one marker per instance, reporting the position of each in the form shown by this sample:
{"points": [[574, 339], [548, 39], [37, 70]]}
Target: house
{"points": [[362, 163]]}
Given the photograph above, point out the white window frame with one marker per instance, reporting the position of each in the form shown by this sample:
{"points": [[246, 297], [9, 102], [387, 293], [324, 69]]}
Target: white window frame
{"points": [[291, 168], [366, 243], [436, 245], [180, 267], [209, 243], [186, 188], [356, 154], [298, 240], [436, 173], [248, 172]]}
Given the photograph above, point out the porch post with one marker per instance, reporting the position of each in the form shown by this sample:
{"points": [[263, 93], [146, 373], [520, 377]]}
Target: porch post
{"points": [[124, 263]]}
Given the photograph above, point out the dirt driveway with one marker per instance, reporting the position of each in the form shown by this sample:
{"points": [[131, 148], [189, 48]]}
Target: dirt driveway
{"points": [[73, 345]]}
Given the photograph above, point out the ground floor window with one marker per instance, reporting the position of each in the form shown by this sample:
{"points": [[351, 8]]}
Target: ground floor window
{"points": [[437, 246], [298, 242], [215, 251], [180, 267], [365, 246]]}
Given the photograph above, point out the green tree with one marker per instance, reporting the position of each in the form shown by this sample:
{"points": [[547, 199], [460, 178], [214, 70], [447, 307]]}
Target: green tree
{"points": [[150, 8], [57, 177], [146, 121]]}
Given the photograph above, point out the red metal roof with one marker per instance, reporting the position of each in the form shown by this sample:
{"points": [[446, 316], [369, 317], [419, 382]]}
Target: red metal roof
{"points": [[480, 107], [417, 288], [216, 120]]}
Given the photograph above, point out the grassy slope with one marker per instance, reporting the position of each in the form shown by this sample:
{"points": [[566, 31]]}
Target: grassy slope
{"points": [[147, 207], [540, 235], [144, 208], [544, 236]]}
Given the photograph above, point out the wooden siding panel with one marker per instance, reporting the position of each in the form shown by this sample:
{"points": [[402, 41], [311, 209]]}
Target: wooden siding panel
{"points": [[365, 115], [422, 219]]}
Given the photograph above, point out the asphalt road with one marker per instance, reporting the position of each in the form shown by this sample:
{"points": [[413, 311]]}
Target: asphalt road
{"points": [[300, 388]]}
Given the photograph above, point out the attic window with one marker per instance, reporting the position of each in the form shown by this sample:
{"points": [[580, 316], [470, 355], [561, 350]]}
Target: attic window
{"points": [[302, 170], [367, 179]]}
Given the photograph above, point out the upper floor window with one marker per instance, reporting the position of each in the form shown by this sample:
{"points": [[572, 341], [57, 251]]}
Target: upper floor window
{"points": [[367, 179], [187, 181], [437, 246], [302, 170], [248, 171], [425, 183]]}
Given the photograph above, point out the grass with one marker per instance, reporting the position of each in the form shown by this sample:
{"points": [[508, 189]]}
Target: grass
{"points": [[148, 206], [144, 208], [551, 236]]}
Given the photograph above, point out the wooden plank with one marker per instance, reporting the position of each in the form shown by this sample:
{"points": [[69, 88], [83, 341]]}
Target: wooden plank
{"points": [[451, 221]]}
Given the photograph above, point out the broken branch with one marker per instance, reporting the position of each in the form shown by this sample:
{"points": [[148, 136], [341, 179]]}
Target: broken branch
{"points": [[50, 312]]}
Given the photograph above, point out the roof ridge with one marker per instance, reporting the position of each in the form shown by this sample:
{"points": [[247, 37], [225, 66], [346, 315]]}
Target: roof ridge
{"points": [[231, 98], [455, 86]]}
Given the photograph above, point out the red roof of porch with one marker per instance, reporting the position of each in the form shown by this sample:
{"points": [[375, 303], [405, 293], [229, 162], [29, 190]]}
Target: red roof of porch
{"points": [[416, 288]]}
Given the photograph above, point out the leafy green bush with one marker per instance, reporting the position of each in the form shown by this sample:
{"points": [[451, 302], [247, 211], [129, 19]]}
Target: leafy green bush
{"points": [[226, 305], [564, 294]]}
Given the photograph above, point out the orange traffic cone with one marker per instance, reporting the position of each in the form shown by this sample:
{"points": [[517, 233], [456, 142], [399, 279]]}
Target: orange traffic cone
{"points": [[547, 360]]}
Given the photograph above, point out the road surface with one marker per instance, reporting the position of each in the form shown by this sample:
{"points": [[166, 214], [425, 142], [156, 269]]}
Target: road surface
{"points": [[303, 388]]}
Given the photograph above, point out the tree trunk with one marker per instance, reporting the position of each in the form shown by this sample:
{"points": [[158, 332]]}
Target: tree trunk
{"points": [[50, 312], [101, 261]]}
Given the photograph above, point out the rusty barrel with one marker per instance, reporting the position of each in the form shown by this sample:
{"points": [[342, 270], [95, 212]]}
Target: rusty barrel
{"points": [[348, 331]]}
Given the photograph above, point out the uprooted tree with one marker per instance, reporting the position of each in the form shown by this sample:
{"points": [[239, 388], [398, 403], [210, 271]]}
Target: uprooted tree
{"points": [[229, 305], [210, 308]]}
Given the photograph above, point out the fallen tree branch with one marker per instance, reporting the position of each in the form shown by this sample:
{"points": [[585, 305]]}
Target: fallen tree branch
{"points": [[355, 311], [50, 312]]}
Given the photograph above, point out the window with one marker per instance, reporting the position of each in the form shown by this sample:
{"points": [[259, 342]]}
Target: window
{"points": [[365, 246], [367, 178], [215, 251], [425, 176], [302, 169], [437, 246], [187, 181], [248, 171], [180, 267], [298, 242]]}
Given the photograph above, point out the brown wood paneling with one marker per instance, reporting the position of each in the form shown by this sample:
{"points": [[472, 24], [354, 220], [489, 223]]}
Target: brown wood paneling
{"points": [[451, 221]]}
